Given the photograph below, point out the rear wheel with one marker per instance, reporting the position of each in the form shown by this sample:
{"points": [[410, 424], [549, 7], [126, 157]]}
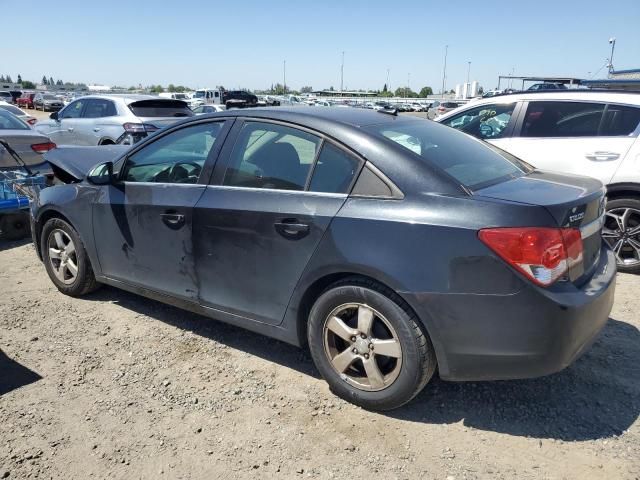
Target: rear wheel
{"points": [[66, 259], [622, 232], [14, 226], [369, 346]]}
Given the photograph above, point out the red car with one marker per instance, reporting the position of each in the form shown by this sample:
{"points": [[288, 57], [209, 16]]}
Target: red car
{"points": [[26, 100]]}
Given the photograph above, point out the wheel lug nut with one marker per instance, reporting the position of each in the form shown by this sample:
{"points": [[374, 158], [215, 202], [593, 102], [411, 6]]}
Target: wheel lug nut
{"points": [[362, 335], [366, 355], [355, 350], [371, 346], [353, 339]]}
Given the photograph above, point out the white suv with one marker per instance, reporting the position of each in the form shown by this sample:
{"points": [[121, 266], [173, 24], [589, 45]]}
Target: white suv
{"points": [[592, 133]]}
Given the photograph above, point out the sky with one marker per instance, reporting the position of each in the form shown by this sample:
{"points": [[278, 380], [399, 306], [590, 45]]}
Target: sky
{"points": [[205, 43]]}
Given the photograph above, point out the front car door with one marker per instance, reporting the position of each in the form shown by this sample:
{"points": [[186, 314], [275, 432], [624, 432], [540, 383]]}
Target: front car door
{"points": [[143, 223], [583, 138], [274, 192], [65, 130], [491, 122]]}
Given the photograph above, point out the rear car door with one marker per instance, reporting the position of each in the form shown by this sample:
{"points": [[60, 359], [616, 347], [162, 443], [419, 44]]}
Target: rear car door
{"points": [[275, 190], [491, 122], [143, 223], [583, 138], [92, 129]]}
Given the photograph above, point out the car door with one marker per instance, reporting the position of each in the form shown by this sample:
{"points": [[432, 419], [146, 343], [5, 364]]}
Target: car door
{"points": [[259, 222], [492, 122], [583, 138], [143, 222], [64, 130], [92, 129]]}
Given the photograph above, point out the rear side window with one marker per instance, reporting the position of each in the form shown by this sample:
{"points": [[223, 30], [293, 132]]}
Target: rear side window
{"points": [[98, 108], [486, 122], [472, 163], [562, 119], [334, 170], [160, 108], [12, 109], [11, 122], [620, 120]]}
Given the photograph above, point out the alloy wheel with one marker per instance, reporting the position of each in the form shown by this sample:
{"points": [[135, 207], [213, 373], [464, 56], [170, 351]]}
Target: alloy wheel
{"points": [[622, 232], [362, 347], [62, 256]]}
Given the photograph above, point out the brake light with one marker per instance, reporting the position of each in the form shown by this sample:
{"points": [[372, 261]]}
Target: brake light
{"points": [[441, 109], [32, 121], [139, 127], [43, 147], [541, 254]]}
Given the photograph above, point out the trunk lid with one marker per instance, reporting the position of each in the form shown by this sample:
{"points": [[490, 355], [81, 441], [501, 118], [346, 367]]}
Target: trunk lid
{"points": [[572, 201], [21, 141], [160, 112]]}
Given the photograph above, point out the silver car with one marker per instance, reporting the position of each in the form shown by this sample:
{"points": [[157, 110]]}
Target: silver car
{"points": [[112, 119], [27, 143], [440, 108]]}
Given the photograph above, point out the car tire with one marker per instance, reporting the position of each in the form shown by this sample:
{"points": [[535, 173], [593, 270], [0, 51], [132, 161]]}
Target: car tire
{"points": [[624, 213], [57, 236], [348, 361], [14, 226]]}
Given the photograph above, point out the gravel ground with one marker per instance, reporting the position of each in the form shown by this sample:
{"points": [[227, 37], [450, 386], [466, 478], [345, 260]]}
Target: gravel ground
{"points": [[117, 386]]}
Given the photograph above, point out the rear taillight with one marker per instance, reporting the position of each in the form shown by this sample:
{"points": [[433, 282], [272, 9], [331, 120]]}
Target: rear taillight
{"points": [[32, 121], [139, 127], [542, 254], [43, 147], [441, 109]]}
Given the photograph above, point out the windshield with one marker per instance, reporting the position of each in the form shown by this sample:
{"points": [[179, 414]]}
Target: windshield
{"points": [[199, 94], [471, 162], [10, 122], [160, 108], [49, 97], [179, 96]]}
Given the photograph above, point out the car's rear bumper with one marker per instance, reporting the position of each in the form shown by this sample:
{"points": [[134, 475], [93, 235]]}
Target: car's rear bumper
{"points": [[531, 333]]}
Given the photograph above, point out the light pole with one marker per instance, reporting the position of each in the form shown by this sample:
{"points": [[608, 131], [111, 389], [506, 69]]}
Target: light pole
{"points": [[468, 71], [284, 76], [612, 42], [342, 74], [444, 70], [388, 86], [408, 84]]}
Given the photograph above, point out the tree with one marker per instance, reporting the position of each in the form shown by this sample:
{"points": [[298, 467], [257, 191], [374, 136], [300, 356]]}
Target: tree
{"points": [[60, 82], [405, 92], [2, 78], [156, 89], [44, 80], [480, 91], [278, 89], [306, 89], [131, 88], [426, 91], [51, 82], [8, 79], [29, 85], [171, 88], [452, 91], [19, 79]]}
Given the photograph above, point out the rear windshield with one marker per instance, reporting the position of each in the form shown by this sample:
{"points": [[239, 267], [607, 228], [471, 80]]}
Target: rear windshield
{"points": [[12, 109], [471, 162], [160, 108], [49, 97], [10, 122]]}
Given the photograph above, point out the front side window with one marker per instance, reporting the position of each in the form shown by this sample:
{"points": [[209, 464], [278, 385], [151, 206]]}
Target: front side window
{"points": [[178, 157], [620, 120], [562, 119], [73, 110], [486, 122], [198, 109], [98, 108], [271, 156]]}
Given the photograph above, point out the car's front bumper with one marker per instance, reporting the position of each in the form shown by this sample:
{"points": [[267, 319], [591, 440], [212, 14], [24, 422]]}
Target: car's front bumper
{"points": [[531, 333]]}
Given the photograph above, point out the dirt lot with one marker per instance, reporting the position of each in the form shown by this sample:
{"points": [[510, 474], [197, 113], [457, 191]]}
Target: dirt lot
{"points": [[116, 386]]}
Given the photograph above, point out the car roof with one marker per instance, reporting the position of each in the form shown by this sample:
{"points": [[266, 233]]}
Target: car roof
{"points": [[127, 98], [568, 94], [355, 117]]}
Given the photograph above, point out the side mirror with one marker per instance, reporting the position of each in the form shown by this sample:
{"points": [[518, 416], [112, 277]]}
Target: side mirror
{"points": [[101, 174], [54, 116]]}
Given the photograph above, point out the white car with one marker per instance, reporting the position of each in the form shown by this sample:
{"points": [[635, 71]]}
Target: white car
{"points": [[18, 112], [202, 109], [593, 133]]}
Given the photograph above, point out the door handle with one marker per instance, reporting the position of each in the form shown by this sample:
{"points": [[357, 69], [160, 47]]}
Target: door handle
{"points": [[292, 228], [172, 220], [97, 129], [602, 156], [70, 129]]}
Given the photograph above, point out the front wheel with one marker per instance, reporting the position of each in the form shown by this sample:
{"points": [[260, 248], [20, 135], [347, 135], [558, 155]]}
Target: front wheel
{"points": [[66, 259], [369, 346], [622, 232]]}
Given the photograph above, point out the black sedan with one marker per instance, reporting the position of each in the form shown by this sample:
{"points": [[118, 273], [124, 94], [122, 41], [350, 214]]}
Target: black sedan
{"points": [[392, 246]]}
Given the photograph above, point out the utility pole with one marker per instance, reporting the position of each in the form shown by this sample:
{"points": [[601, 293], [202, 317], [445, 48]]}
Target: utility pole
{"points": [[284, 76], [342, 74], [468, 71], [408, 84], [444, 70], [612, 42]]}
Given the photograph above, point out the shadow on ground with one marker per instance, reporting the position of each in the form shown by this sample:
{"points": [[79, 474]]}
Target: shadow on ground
{"points": [[13, 375], [9, 244], [597, 397]]}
